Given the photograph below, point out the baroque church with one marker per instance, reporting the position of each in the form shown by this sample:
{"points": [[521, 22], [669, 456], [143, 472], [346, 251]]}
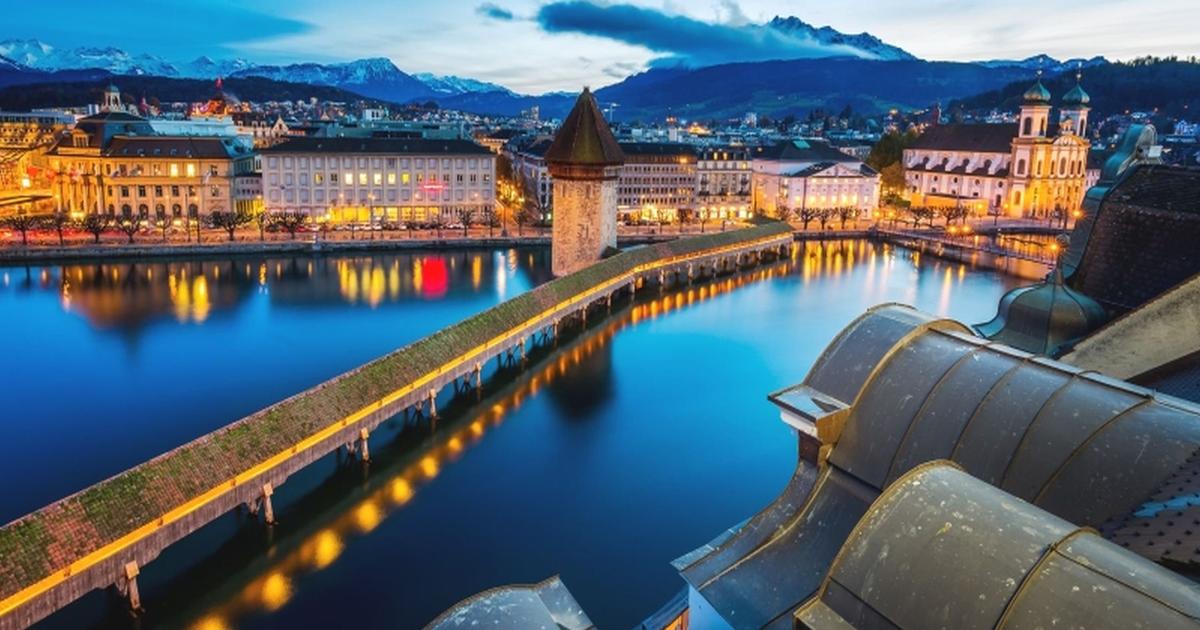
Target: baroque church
{"points": [[1035, 167]]}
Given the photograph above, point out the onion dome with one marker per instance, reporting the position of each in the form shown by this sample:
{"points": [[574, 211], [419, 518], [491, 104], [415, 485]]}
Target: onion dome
{"points": [[1037, 93], [1046, 318], [1076, 96]]}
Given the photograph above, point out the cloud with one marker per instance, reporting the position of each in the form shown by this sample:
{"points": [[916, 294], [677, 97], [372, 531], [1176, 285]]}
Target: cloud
{"points": [[621, 70], [683, 39], [495, 12]]}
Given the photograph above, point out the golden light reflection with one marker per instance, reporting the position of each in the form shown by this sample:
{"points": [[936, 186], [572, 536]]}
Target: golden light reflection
{"points": [[276, 585]]}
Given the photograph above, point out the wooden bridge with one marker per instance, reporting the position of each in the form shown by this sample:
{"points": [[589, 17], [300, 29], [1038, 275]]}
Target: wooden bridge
{"points": [[101, 536], [967, 244]]}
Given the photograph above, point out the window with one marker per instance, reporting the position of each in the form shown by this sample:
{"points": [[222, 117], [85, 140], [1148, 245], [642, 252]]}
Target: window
{"points": [[1027, 127], [362, 178], [333, 178], [158, 191], [212, 170], [1021, 166], [391, 178], [124, 191], [173, 170], [191, 170], [348, 177], [377, 178], [318, 178], [404, 178]]}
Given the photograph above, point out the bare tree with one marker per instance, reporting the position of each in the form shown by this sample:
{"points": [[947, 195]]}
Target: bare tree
{"points": [[489, 217], [289, 222], [59, 221], [22, 223], [465, 215], [439, 223], [230, 221], [807, 215], [262, 219], [129, 226], [846, 213], [823, 216], [96, 224]]}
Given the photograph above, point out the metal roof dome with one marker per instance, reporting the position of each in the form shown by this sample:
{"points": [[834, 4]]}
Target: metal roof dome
{"points": [[1076, 96], [1037, 93]]}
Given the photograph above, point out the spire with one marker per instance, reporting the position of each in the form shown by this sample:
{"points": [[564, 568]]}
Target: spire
{"points": [[585, 138]]}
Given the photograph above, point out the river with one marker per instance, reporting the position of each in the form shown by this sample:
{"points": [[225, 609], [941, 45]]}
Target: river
{"points": [[639, 440]]}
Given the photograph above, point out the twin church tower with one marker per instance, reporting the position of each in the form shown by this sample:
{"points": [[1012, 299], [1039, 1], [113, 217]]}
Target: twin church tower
{"points": [[584, 161]]}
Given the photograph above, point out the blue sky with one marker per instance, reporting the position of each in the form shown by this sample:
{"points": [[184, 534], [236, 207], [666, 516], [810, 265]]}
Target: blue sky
{"points": [[539, 45]]}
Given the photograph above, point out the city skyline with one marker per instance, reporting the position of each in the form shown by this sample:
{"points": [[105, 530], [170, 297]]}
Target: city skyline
{"points": [[600, 43]]}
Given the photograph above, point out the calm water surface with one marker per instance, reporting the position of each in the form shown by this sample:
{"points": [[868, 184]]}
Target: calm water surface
{"points": [[639, 440]]}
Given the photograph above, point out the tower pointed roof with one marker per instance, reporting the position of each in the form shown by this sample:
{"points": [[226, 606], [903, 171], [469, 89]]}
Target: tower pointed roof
{"points": [[584, 138], [1077, 96]]}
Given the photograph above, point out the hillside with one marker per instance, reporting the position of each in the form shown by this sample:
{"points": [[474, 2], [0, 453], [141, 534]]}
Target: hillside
{"points": [[774, 88], [79, 93], [1170, 86]]}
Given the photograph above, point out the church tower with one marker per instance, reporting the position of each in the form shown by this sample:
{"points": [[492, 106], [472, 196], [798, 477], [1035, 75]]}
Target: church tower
{"points": [[584, 161], [1035, 110], [1075, 109], [112, 100]]}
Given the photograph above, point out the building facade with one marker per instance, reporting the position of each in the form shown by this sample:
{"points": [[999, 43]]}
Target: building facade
{"points": [[1031, 168], [361, 180], [25, 139], [657, 182], [793, 176], [723, 182]]}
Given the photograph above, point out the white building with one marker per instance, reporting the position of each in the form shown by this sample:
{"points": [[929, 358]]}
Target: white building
{"points": [[374, 179], [800, 174], [723, 182]]}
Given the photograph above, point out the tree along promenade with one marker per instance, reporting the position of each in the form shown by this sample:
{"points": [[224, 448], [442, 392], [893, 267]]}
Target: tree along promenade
{"points": [[101, 536]]}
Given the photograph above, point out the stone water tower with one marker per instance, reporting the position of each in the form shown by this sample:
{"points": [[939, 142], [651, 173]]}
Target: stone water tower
{"points": [[584, 161]]}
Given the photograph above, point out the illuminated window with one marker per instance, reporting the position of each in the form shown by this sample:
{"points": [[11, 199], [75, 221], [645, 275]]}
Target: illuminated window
{"points": [[174, 170], [377, 178], [404, 178], [391, 178], [348, 177], [362, 179], [191, 170]]}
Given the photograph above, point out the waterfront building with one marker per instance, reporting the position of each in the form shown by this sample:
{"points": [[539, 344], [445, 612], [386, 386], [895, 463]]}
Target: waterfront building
{"points": [[25, 179], [1033, 167], [798, 175], [585, 163], [360, 180], [528, 159], [116, 163], [263, 130], [657, 182], [723, 182]]}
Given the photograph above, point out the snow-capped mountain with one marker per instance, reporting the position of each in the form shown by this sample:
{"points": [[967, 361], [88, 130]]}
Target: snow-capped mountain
{"points": [[1046, 63], [872, 47], [26, 52], [377, 78], [451, 85], [205, 67], [9, 64], [42, 56]]}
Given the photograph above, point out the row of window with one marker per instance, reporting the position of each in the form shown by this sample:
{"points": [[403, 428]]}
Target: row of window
{"points": [[380, 195], [363, 178], [144, 191], [363, 162]]}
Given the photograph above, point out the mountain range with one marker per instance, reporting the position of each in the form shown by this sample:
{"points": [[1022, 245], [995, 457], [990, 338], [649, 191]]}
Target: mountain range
{"points": [[874, 76]]}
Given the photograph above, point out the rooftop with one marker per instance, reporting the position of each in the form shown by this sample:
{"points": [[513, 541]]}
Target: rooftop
{"points": [[970, 137], [392, 146], [802, 151], [585, 138]]}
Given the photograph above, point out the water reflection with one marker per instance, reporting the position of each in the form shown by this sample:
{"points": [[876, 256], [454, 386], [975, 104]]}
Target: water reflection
{"points": [[564, 374], [130, 295]]}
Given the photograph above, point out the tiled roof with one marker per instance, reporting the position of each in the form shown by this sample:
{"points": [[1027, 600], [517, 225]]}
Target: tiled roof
{"points": [[173, 146], [420, 146], [584, 138], [1144, 238], [802, 151], [984, 138]]}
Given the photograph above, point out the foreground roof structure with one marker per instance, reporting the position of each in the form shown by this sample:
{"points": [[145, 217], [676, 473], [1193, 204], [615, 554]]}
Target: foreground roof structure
{"points": [[942, 549], [547, 605], [585, 138], [899, 388]]}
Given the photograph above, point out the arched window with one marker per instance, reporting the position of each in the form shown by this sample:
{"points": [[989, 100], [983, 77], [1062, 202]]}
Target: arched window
{"points": [[1027, 127], [1043, 132], [176, 210], [1021, 166], [160, 211], [143, 211], [1017, 197], [193, 211], [1062, 166], [112, 211], [126, 211]]}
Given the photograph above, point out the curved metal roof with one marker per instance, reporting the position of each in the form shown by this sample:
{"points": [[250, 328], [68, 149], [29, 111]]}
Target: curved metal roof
{"points": [[1086, 448], [1051, 434], [547, 605], [942, 549]]}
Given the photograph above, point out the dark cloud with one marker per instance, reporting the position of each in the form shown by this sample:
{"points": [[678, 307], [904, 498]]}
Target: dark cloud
{"points": [[495, 12], [683, 39]]}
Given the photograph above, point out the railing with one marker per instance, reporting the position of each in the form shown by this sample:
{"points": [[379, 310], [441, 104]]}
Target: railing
{"points": [[131, 517]]}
